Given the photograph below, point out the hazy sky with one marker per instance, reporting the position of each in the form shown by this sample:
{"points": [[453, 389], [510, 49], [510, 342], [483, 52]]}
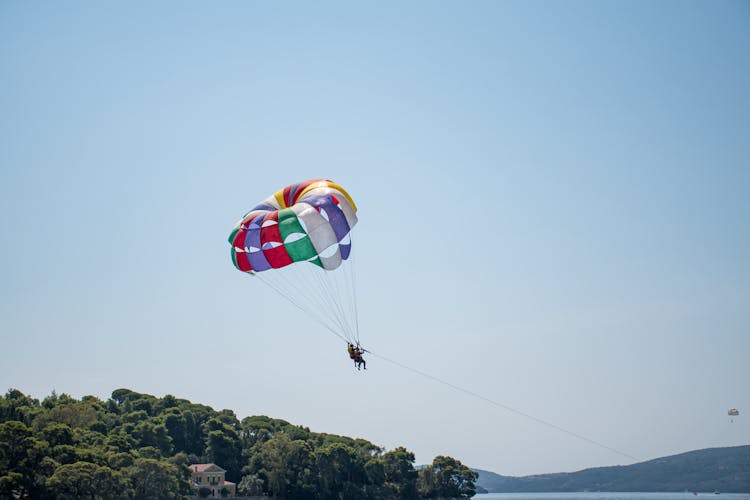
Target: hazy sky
{"points": [[554, 213]]}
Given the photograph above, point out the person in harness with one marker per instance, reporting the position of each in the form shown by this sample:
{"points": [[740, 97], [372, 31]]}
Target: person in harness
{"points": [[355, 353]]}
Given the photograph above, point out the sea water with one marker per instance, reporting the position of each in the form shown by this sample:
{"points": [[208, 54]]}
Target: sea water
{"points": [[612, 496]]}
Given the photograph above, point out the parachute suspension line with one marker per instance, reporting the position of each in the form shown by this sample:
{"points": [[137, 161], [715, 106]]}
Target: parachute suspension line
{"points": [[307, 310], [324, 295], [332, 287], [353, 294], [335, 300], [506, 407], [289, 289], [314, 290], [277, 286]]}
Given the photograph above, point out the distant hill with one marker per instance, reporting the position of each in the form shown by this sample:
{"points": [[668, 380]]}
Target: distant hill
{"points": [[723, 469]]}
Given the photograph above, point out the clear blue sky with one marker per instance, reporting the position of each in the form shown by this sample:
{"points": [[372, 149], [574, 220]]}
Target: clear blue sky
{"points": [[554, 203]]}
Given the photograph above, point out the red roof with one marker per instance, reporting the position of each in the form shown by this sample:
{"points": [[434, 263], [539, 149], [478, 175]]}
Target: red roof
{"points": [[203, 467]]}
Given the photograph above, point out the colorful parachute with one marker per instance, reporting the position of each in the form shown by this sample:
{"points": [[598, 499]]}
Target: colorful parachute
{"points": [[303, 224]]}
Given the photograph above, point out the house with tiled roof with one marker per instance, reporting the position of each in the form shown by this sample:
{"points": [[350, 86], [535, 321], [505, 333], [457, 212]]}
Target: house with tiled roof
{"points": [[211, 477]]}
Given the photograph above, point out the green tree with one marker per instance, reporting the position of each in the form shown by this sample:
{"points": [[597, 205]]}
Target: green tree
{"points": [[446, 477], [149, 452], [281, 467], [84, 480], [181, 462], [341, 472], [268, 464], [121, 396], [256, 429], [251, 485], [17, 406], [67, 410], [168, 401], [23, 461], [12, 485], [152, 432], [175, 423], [375, 471], [223, 447], [400, 475], [120, 441], [155, 480], [196, 416], [119, 460], [144, 402], [65, 454]]}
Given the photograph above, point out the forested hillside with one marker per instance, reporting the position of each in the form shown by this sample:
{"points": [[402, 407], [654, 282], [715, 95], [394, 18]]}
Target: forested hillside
{"points": [[714, 469], [139, 446]]}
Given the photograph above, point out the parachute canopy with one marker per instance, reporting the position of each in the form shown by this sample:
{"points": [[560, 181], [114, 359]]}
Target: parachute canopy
{"points": [[733, 412], [298, 242], [305, 222]]}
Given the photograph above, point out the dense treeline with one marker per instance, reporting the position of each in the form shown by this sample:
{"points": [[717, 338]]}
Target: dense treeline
{"points": [[139, 446]]}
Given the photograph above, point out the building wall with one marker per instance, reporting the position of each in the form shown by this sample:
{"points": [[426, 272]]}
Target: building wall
{"points": [[213, 481], [208, 478]]}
